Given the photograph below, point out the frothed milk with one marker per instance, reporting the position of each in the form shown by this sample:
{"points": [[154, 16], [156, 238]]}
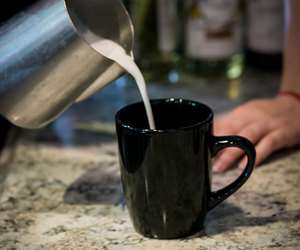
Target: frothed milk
{"points": [[115, 52]]}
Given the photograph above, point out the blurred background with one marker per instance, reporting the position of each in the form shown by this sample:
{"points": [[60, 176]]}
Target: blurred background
{"points": [[220, 52]]}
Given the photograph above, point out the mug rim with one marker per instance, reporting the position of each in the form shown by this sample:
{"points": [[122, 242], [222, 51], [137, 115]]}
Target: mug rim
{"points": [[162, 131]]}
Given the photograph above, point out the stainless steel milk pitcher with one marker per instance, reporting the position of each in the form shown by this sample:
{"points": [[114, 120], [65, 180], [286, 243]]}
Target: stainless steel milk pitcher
{"points": [[46, 61]]}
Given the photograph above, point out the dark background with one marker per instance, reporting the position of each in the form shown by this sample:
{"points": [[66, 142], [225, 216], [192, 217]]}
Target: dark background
{"points": [[12, 7]]}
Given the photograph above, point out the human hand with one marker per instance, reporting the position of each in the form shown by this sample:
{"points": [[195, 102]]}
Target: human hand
{"points": [[270, 124]]}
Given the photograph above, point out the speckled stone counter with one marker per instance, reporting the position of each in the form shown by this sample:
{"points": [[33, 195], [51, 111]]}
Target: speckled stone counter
{"points": [[64, 192], [71, 199]]}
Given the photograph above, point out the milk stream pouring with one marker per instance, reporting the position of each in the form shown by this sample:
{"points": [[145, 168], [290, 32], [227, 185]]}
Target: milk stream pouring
{"points": [[115, 52]]}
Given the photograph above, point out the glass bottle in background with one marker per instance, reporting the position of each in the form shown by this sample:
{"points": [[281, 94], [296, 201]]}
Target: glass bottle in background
{"points": [[213, 37], [265, 34], [157, 37]]}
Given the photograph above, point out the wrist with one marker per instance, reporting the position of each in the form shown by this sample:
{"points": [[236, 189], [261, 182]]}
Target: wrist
{"points": [[290, 94]]}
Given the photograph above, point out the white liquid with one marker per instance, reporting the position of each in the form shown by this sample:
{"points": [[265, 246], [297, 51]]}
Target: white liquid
{"points": [[115, 52]]}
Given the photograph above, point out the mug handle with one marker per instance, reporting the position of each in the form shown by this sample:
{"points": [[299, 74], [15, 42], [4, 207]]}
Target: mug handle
{"points": [[222, 142]]}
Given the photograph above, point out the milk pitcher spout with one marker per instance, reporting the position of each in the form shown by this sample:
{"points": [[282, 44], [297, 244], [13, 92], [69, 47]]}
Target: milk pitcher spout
{"points": [[46, 61]]}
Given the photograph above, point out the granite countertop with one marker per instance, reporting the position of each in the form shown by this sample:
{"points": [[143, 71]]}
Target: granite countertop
{"points": [[64, 191]]}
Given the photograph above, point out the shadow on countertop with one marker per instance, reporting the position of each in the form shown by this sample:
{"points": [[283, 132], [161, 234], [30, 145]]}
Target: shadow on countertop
{"points": [[283, 153], [228, 217], [102, 185], [97, 186]]}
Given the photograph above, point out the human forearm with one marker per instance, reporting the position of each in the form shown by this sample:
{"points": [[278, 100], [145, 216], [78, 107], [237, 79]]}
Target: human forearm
{"points": [[291, 73], [270, 124]]}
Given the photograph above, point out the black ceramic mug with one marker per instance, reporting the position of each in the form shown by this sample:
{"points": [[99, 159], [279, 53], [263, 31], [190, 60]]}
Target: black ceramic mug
{"points": [[166, 173]]}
